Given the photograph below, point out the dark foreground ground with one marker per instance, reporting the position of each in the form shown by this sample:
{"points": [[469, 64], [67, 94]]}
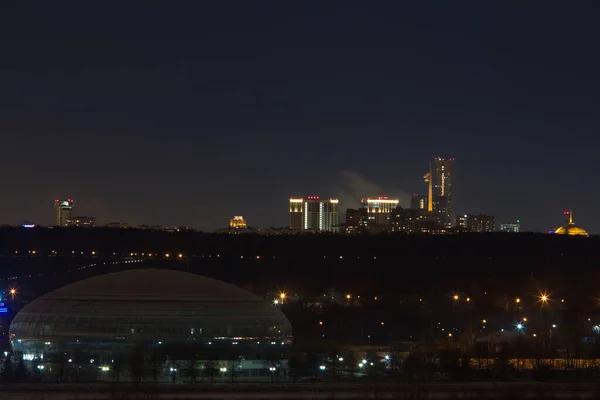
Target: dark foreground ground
{"points": [[515, 391]]}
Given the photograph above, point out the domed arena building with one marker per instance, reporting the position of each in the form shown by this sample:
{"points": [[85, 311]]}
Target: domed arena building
{"points": [[570, 228], [165, 321]]}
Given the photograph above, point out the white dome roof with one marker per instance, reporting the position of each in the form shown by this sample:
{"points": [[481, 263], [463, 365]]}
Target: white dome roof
{"points": [[154, 293]]}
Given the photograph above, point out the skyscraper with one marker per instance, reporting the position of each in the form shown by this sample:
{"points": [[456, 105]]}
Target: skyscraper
{"points": [[62, 212], [443, 190], [314, 214]]}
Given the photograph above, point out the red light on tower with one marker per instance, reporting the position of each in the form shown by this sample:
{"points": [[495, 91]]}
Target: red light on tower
{"points": [[566, 213]]}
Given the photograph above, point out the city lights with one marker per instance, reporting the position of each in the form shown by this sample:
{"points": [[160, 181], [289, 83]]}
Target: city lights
{"points": [[543, 298]]}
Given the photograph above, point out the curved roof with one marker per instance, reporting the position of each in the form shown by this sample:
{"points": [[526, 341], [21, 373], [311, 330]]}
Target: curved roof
{"points": [[571, 229], [153, 293]]}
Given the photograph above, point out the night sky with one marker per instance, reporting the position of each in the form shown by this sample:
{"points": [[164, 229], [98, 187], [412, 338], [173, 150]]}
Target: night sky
{"points": [[191, 112]]}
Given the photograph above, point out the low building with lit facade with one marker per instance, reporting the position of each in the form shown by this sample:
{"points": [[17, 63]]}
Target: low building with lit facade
{"points": [[356, 221], [82, 222], [570, 228], [512, 227], [475, 223], [92, 325], [409, 220], [312, 214], [238, 222], [379, 210]]}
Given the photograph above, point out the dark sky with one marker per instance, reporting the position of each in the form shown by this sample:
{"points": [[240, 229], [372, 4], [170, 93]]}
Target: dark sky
{"points": [[191, 112]]}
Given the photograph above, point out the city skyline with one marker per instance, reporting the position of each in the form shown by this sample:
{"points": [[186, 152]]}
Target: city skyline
{"points": [[381, 213], [192, 115]]}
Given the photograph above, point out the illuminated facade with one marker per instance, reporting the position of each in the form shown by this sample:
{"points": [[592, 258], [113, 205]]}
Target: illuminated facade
{"points": [[379, 210], [475, 223], [181, 316], [82, 222], [356, 221], [313, 214], [418, 202], [238, 222], [62, 212], [570, 228], [511, 227], [412, 220], [443, 190]]}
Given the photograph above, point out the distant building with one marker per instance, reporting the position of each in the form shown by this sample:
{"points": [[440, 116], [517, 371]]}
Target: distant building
{"points": [[379, 210], [82, 222], [120, 225], [356, 221], [62, 212], [409, 220], [418, 202], [238, 222], [314, 215], [511, 227], [570, 228], [440, 210], [475, 223], [443, 190], [152, 227]]}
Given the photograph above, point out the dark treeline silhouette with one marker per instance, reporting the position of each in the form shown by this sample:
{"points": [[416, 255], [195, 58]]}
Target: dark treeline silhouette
{"points": [[376, 260]]}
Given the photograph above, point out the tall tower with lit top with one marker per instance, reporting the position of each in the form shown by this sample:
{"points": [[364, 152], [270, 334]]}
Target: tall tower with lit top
{"points": [[62, 212]]}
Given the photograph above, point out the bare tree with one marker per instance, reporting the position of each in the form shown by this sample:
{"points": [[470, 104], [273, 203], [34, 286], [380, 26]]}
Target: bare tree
{"points": [[210, 370]]}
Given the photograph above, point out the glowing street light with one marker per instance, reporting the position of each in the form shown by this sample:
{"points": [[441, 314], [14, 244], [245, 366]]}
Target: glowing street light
{"points": [[517, 300], [455, 297], [519, 327]]}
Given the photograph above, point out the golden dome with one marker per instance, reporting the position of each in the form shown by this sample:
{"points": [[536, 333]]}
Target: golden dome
{"points": [[570, 228]]}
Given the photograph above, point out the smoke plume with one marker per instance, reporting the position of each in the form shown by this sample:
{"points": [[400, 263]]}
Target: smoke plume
{"points": [[353, 187]]}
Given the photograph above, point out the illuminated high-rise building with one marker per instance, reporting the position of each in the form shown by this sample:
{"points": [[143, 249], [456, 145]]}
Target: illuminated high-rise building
{"points": [[442, 201], [313, 214], [379, 210], [62, 212]]}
